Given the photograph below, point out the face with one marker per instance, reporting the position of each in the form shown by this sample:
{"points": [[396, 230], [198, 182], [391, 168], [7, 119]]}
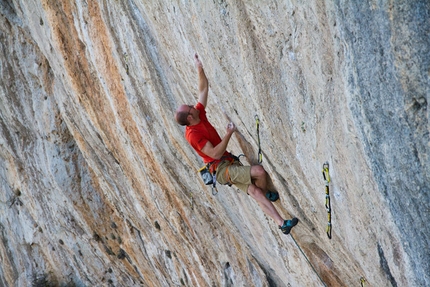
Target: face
{"points": [[192, 111]]}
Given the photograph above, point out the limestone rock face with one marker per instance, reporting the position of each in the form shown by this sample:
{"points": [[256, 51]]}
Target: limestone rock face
{"points": [[100, 188]]}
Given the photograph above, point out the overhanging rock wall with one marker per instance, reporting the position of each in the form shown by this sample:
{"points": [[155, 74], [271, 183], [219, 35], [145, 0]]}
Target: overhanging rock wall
{"points": [[99, 187]]}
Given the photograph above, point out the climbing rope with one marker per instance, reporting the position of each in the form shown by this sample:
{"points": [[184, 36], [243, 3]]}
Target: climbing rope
{"points": [[310, 264], [260, 154], [326, 176]]}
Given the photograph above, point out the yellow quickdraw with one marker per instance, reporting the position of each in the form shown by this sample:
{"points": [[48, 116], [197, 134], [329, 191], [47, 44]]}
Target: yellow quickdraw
{"points": [[260, 154], [326, 176]]}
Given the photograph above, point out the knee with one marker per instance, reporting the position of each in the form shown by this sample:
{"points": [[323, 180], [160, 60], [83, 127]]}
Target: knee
{"points": [[255, 191], [257, 171]]}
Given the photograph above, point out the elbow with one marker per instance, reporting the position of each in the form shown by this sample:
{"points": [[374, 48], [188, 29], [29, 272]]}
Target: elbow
{"points": [[214, 155], [214, 152], [217, 157]]}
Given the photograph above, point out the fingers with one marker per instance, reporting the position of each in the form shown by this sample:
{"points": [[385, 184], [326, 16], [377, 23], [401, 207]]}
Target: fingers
{"points": [[231, 127], [197, 61]]}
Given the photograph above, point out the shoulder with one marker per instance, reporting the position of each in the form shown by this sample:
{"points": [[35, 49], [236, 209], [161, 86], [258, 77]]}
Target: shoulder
{"points": [[202, 111], [200, 107]]}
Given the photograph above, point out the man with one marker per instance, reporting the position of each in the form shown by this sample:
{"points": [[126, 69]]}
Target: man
{"points": [[213, 149]]}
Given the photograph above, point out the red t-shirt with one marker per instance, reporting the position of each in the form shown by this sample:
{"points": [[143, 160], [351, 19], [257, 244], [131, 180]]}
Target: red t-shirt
{"points": [[198, 135]]}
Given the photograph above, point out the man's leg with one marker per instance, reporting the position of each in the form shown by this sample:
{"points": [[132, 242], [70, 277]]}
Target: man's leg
{"points": [[253, 180], [259, 177], [258, 192], [266, 205]]}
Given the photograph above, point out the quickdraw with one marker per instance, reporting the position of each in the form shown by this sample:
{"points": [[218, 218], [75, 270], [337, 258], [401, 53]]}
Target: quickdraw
{"points": [[260, 154], [213, 182], [208, 177], [326, 176], [363, 282], [214, 189]]}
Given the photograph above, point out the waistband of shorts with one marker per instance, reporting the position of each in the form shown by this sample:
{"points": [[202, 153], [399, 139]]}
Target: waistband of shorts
{"points": [[214, 164]]}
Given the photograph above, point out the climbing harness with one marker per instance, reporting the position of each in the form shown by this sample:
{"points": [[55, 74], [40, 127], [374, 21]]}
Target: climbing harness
{"points": [[307, 259], [227, 174], [214, 189], [260, 154], [208, 172], [233, 159], [326, 176]]}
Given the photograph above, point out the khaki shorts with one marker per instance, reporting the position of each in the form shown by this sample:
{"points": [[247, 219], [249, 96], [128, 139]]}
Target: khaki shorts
{"points": [[240, 175]]}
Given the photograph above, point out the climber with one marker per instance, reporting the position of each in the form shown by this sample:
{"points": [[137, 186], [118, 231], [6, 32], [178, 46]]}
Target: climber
{"points": [[203, 137]]}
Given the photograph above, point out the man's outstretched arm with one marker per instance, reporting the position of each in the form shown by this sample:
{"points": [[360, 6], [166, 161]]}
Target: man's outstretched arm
{"points": [[203, 81]]}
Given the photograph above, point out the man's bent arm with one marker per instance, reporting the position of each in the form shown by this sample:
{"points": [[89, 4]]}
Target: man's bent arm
{"points": [[216, 152], [203, 82]]}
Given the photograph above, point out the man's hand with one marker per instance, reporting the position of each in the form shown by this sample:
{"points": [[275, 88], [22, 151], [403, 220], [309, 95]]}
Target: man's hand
{"points": [[231, 128], [198, 63]]}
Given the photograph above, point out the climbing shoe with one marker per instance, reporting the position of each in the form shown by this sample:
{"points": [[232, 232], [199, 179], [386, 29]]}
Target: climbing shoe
{"points": [[272, 196], [288, 224]]}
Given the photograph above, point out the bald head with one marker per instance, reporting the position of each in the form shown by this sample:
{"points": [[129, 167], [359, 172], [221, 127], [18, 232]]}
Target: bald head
{"points": [[181, 115]]}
